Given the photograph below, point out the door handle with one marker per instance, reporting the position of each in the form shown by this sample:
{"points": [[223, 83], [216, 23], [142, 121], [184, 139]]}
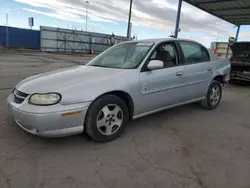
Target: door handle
{"points": [[179, 73], [209, 69]]}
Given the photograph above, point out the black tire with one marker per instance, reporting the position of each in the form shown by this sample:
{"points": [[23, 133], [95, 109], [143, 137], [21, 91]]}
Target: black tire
{"points": [[206, 103], [91, 117], [240, 83], [233, 82]]}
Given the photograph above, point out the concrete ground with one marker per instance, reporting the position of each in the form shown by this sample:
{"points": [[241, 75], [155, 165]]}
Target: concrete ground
{"points": [[185, 147]]}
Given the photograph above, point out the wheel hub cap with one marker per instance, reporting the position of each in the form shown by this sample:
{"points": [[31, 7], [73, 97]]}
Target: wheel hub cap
{"points": [[215, 95], [109, 119]]}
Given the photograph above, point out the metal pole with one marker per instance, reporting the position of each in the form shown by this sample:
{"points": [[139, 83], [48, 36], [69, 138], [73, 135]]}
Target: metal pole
{"points": [[7, 31], [217, 39], [129, 18], [228, 46], [237, 34], [178, 19], [87, 2]]}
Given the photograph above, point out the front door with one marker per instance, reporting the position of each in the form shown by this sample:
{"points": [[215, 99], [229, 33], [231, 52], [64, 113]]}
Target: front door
{"points": [[162, 87]]}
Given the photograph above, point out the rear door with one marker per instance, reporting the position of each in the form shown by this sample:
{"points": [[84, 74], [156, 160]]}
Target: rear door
{"points": [[198, 70]]}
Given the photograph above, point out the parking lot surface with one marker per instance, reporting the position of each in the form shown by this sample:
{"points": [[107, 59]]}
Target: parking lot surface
{"points": [[185, 147]]}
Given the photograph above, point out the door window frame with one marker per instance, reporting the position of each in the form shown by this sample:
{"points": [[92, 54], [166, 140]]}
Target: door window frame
{"points": [[183, 62], [179, 57]]}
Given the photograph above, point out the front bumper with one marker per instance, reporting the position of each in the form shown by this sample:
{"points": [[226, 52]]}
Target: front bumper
{"points": [[240, 76], [47, 122]]}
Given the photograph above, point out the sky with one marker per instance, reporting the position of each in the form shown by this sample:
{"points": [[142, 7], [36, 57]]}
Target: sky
{"points": [[150, 18]]}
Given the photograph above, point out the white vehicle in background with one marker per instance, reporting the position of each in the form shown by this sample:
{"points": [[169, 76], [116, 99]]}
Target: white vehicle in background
{"points": [[128, 81]]}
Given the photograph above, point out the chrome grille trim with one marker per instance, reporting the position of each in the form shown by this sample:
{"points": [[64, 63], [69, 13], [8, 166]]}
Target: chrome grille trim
{"points": [[19, 96]]}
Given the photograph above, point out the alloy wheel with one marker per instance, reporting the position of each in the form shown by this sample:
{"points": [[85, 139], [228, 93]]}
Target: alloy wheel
{"points": [[215, 95], [109, 119]]}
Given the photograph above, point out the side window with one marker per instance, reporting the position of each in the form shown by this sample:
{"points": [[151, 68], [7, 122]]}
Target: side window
{"points": [[194, 53], [170, 49], [165, 53]]}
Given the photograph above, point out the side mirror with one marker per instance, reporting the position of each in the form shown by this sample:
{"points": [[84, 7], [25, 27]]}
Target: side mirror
{"points": [[155, 64]]}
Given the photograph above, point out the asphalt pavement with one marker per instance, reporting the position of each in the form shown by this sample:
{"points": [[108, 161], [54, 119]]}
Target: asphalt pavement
{"points": [[185, 147]]}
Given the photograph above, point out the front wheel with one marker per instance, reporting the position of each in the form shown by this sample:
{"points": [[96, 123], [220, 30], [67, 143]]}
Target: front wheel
{"points": [[106, 118], [213, 96]]}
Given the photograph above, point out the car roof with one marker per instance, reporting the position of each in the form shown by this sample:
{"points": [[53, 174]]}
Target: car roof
{"points": [[159, 40], [242, 42]]}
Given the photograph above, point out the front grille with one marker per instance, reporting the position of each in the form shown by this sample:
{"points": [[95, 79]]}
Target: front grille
{"points": [[19, 96]]}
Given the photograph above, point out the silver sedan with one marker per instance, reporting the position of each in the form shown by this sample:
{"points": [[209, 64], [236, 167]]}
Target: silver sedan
{"points": [[127, 81]]}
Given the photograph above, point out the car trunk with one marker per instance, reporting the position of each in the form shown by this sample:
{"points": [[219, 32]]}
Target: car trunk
{"points": [[240, 61]]}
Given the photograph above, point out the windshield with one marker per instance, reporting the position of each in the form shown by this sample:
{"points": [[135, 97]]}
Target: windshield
{"points": [[122, 56]]}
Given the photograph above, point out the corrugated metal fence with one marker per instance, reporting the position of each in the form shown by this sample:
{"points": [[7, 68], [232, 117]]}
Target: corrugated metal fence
{"points": [[66, 40], [20, 38]]}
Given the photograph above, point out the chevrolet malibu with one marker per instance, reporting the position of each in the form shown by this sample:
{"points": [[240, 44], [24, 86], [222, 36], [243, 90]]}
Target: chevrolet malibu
{"points": [[128, 81]]}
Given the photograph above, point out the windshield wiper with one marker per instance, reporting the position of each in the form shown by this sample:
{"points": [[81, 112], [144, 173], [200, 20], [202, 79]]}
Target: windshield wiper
{"points": [[96, 65], [107, 67]]}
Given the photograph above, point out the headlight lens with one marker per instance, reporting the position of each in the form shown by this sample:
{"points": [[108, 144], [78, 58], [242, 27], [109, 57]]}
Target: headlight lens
{"points": [[44, 99]]}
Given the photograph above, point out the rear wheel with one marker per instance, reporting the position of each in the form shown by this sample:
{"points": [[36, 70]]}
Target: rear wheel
{"points": [[106, 118], [213, 96]]}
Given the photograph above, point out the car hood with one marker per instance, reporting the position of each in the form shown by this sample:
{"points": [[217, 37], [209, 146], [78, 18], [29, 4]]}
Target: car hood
{"points": [[241, 50], [56, 80]]}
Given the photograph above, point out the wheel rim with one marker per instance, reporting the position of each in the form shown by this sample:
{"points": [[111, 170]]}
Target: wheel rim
{"points": [[109, 119], [215, 95]]}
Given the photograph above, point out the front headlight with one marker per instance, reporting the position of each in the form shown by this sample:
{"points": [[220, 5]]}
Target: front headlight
{"points": [[44, 99]]}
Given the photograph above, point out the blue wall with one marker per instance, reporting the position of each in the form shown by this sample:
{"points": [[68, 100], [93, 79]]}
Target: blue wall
{"points": [[24, 38]]}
